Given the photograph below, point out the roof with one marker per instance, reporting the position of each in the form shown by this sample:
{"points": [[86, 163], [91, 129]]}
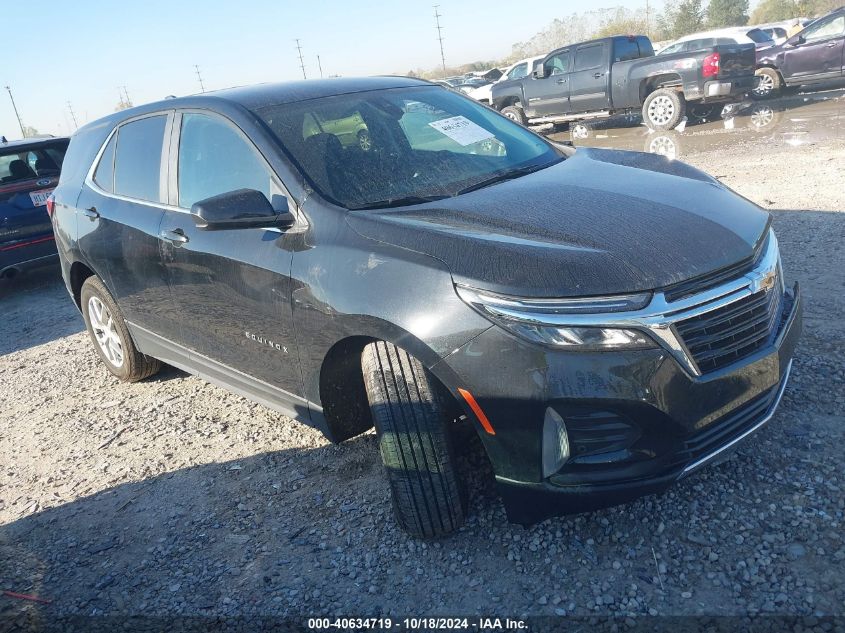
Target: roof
{"points": [[30, 142]]}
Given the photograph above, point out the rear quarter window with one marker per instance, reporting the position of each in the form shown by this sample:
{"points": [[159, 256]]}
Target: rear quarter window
{"points": [[589, 57]]}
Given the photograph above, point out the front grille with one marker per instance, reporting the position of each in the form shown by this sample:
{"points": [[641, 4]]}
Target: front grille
{"points": [[731, 332]]}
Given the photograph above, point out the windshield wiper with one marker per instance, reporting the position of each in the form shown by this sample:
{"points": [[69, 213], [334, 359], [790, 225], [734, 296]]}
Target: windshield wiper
{"points": [[398, 202], [508, 175]]}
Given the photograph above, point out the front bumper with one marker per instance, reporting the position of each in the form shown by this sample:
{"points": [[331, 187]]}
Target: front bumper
{"points": [[684, 421]]}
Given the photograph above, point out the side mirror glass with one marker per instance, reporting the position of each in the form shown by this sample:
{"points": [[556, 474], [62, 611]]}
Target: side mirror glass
{"points": [[539, 71], [240, 209]]}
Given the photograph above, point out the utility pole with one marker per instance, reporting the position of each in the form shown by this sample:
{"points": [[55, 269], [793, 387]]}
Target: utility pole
{"points": [[199, 76], [72, 116], [15, 107], [128, 100], [320, 66], [301, 61], [437, 17], [647, 19]]}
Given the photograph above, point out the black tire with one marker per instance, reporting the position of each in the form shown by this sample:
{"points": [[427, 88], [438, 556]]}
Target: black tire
{"points": [[515, 113], [134, 365], [664, 109], [408, 408], [770, 84]]}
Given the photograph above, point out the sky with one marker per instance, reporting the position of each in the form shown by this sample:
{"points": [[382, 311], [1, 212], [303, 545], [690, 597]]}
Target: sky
{"points": [[84, 51]]}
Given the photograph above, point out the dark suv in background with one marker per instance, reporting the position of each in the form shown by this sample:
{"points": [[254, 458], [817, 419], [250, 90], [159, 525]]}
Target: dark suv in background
{"points": [[814, 55], [29, 171], [607, 321]]}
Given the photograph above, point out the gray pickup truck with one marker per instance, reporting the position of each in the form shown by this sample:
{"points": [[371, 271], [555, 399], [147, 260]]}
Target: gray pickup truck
{"points": [[600, 78]]}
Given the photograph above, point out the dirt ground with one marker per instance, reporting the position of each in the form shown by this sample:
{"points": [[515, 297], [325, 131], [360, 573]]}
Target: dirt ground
{"points": [[172, 496]]}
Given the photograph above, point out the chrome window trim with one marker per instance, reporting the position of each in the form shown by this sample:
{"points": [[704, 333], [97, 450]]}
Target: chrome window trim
{"points": [[659, 317], [171, 131]]}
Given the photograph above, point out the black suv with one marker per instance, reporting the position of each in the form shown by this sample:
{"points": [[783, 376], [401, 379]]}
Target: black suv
{"points": [[607, 321]]}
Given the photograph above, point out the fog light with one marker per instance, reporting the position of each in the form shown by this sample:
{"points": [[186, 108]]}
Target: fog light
{"points": [[555, 443]]}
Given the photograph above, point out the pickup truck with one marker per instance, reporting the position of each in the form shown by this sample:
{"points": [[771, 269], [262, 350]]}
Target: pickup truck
{"points": [[614, 75]]}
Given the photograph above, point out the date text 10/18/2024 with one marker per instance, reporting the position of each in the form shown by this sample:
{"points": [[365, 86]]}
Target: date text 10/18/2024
{"points": [[423, 623]]}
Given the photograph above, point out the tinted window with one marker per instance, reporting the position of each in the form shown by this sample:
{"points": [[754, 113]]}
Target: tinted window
{"points": [[520, 70], [137, 165], [674, 48], [831, 28], [558, 64], [104, 176], [23, 164], [589, 57], [625, 49], [214, 158], [424, 143]]}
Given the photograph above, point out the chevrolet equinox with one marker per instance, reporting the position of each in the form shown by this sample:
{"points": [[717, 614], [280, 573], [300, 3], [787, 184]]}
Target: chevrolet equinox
{"points": [[385, 252]]}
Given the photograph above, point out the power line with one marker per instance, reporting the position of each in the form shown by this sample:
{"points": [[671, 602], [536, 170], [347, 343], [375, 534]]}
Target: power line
{"points": [[301, 61], [437, 17], [72, 116], [199, 77], [320, 66], [15, 107]]}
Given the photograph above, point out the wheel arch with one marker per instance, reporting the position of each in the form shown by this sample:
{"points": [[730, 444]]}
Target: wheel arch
{"points": [[79, 272], [655, 82]]}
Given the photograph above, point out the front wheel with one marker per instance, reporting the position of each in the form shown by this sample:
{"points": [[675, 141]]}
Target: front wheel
{"points": [[408, 410], [664, 109], [769, 83], [110, 335]]}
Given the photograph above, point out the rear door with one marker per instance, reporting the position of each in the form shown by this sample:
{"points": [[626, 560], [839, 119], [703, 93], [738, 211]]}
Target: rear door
{"points": [[588, 82], [121, 208], [549, 95], [231, 287], [820, 55]]}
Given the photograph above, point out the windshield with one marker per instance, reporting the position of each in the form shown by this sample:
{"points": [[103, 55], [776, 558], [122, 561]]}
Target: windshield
{"points": [[402, 146], [759, 36]]}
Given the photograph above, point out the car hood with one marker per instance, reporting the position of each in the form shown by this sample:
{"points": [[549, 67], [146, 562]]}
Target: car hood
{"points": [[599, 222]]}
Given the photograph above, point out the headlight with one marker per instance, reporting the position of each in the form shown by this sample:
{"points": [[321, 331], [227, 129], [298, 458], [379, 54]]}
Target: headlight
{"points": [[543, 320]]}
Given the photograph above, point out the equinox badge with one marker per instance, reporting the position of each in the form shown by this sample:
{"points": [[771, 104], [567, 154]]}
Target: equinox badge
{"points": [[265, 341]]}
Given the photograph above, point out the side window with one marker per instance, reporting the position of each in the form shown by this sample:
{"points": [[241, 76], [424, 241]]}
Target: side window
{"points": [[829, 29], [558, 64], [137, 158], [518, 71], [104, 174], [214, 158], [674, 48], [588, 57]]}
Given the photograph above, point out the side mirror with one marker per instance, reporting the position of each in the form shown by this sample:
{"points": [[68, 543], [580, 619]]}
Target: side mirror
{"points": [[240, 209], [539, 72], [795, 40]]}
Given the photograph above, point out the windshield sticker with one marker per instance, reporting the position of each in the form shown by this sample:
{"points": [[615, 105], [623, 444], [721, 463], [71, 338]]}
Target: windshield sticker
{"points": [[461, 130]]}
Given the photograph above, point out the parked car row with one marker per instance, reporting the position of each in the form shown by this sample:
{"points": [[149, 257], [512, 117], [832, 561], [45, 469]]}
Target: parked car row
{"points": [[601, 78]]}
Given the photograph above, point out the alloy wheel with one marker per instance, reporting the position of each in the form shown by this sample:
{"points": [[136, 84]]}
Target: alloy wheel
{"points": [[105, 332], [661, 110], [765, 86]]}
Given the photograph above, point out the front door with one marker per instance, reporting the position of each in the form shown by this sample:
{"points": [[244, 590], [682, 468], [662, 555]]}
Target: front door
{"points": [[588, 83], [231, 287], [549, 96], [820, 55]]}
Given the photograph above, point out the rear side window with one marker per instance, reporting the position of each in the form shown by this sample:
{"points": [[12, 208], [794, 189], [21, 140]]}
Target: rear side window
{"points": [[137, 164], [215, 159], [822, 31], [588, 57], [104, 176]]}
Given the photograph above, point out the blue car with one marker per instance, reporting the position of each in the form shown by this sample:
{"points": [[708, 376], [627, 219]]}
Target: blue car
{"points": [[29, 171]]}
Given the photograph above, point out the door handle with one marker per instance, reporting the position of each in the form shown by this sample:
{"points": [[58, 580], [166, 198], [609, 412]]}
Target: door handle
{"points": [[91, 213], [598, 75], [562, 81], [832, 44], [176, 237]]}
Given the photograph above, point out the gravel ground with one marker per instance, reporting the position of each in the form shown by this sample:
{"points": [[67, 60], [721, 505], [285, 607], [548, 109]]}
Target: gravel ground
{"points": [[172, 496]]}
